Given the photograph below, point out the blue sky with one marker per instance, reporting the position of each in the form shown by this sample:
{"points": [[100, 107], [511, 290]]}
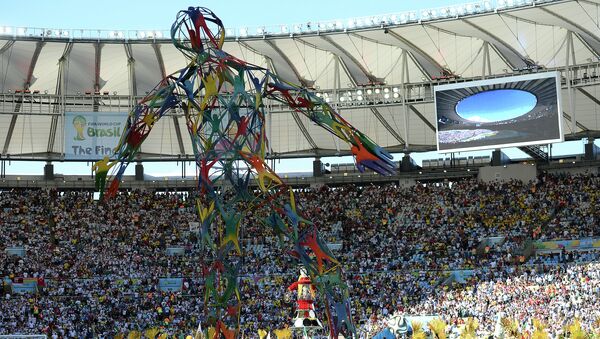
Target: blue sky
{"points": [[159, 15], [496, 105], [136, 14]]}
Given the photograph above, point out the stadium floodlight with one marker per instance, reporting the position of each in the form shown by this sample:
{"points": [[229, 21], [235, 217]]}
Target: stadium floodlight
{"points": [[244, 32], [369, 92], [260, 31], [342, 99], [386, 90], [377, 91], [396, 95], [386, 96], [395, 89], [359, 98], [394, 19], [403, 18], [321, 26], [327, 99], [359, 92], [412, 16], [425, 15]]}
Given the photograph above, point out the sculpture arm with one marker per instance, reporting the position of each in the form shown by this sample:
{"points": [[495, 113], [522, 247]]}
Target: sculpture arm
{"points": [[366, 152], [139, 123]]}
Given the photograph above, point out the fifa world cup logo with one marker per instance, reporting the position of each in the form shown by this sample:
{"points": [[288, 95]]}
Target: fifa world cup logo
{"points": [[79, 123]]}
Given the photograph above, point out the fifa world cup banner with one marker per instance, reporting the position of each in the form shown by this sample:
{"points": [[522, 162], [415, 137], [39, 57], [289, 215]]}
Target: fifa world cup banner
{"points": [[92, 135]]}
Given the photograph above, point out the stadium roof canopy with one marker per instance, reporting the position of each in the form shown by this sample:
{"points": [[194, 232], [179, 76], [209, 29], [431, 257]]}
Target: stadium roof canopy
{"points": [[377, 71]]}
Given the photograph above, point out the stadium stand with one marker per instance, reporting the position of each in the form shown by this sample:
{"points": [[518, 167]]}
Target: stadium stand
{"points": [[98, 267]]}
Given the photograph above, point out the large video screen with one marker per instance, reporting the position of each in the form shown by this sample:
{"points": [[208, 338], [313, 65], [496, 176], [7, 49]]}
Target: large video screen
{"points": [[502, 112]]}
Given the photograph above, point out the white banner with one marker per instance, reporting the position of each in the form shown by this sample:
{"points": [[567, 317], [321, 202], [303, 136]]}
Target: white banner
{"points": [[92, 135]]}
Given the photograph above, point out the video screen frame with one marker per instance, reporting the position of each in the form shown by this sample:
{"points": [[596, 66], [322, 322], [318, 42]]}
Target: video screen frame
{"points": [[495, 81]]}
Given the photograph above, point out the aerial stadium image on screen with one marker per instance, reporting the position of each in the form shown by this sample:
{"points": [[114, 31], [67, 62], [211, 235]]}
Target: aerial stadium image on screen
{"points": [[497, 113], [285, 170]]}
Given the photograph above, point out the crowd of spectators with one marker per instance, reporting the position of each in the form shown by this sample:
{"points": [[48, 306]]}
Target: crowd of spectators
{"points": [[99, 264]]}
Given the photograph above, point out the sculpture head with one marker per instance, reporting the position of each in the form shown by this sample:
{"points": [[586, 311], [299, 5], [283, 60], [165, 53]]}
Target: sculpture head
{"points": [[195, 30]]}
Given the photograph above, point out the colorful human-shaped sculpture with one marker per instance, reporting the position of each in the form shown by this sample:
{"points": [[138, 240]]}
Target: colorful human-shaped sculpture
{"points": [[223, 101]]}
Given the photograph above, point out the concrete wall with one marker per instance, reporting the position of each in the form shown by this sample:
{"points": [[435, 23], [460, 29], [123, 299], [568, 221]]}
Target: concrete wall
{"points": [[520, 172]]}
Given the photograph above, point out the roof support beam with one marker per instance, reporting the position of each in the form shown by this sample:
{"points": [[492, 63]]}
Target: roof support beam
{"points": [[589, 95], [98, 54], [349, 60], [97, 85], [340, 62], [131, 69], [7, 45], [304, 131], [276, 48], [11, 129], [570, 58], [159, 59], [163, 74], [386, 125], [429, 67], [58, 107], [515, 59], [18, 105], [422, 117], [486, 68], [36, 54], [295, 116], [589, 39], [568, 118]]}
